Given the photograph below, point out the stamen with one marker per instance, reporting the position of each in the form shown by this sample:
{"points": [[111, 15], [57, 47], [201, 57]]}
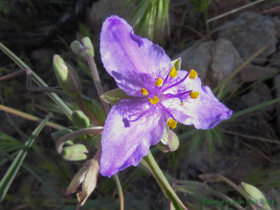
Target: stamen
{"points": [[159, 82], [144, 91], [177, 83], [154, 101], [193, 74], [172, 123], [173, 72], [194, 95], [181, 104]]}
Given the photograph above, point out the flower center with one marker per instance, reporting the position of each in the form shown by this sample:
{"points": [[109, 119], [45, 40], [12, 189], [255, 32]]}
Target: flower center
{"points": [[159, 82], [154, 100]]}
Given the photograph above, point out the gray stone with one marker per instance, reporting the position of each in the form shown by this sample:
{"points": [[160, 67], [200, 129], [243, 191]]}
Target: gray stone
{"points": [[258, 94], [253, 73], [225, 59], [250, 32], [197, 57], [102, 9]]}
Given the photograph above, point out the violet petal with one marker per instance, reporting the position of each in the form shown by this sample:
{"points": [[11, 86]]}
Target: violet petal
{"points": [[134, 62], [131, 127], [205, 112]]}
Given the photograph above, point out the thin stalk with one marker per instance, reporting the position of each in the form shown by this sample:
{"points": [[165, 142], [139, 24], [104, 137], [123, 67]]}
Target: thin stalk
{"points": [[75, 134], [78, 99], [205, 14], [119, 186], [159, 175], [29, 117], [97, 82]]}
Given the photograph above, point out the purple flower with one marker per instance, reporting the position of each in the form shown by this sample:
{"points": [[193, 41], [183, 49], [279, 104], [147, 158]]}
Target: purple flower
{"points": [[160, 95]]}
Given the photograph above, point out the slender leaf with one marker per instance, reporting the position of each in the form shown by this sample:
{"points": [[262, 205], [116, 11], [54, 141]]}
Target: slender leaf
{"points": [[12, 171]]}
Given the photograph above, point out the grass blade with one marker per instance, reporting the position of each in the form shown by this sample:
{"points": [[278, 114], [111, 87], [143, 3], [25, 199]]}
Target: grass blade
{"points": [[12, 171]]}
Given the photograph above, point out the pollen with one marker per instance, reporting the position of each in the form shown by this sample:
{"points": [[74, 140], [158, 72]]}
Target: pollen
{"points": [[173, 72], [194, 95], [172, 123], [193, 74], [144, 91], [181, 104], [154, 100], [159, 82]]}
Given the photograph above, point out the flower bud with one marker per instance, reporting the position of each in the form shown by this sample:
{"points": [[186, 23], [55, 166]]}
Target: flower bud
{"points": [[66, 76], [79, 119], [254, 194], [83, 48], [84, 182], [169, 141], [173, 141], [75, 152]]}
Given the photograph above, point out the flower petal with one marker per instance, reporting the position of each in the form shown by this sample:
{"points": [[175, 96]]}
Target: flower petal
{"points": [[134, 62], [131, 127], [205, 112]]}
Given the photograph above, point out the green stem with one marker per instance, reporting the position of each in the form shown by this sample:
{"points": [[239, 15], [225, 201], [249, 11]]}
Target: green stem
{"points": [[205, 14], [161, 179], [97, 82], [75, 134], [29, 117], [119, 186]]}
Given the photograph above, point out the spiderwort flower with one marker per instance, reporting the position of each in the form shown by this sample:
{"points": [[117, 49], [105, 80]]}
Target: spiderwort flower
{"points": [[160, 95]]}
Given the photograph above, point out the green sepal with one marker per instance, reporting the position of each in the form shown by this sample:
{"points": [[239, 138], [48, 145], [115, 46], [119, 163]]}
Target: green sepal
{"points": [[83, 48], [79, 119], [66, 76], [95, 108], [75, 152], [177, 64], [114, 96]]}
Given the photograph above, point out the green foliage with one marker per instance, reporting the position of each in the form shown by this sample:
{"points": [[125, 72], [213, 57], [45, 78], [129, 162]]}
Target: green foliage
{"points": [[149, 18], [200, 5]]}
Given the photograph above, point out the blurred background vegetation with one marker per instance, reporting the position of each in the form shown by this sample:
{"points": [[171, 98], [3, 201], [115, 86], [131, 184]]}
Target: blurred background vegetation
{"points": [[243, 149]]}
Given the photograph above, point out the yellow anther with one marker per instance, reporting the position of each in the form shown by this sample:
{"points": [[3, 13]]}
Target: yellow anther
{"points": [[193, 74], [181, 104], [194, 95], [173, 72], [144, 91], [159, 82], [172, 123], [154, 100]]}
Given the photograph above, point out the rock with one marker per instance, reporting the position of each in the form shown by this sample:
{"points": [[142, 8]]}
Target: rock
{"points": [[250, 32], [102, 9], [197, 57], [253, 73], [225, 59], [259, 94], [275, 59]]}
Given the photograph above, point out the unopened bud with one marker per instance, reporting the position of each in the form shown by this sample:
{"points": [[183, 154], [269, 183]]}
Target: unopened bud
{"points": [[83, 48], [169, 141], [79, 119], [75, 153], [173, 141], [84, 182], [254, 194], [66, 76]]}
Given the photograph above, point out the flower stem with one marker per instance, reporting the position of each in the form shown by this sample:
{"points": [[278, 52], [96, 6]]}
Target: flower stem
{"points": [[97, 82], [119, 186], [75, 134], [80, 103], [164, 184], [29, 117]]}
